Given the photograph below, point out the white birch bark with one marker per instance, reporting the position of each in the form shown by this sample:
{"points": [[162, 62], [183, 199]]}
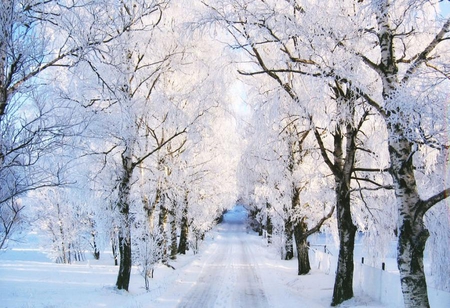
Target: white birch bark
{"points": [[411, 209]]}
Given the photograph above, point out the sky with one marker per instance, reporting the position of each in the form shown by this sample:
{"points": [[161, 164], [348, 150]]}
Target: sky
{"points": [[445, 7]]}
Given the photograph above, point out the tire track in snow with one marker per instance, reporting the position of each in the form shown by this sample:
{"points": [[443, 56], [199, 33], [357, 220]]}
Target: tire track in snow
{"points": [[205, 291]]}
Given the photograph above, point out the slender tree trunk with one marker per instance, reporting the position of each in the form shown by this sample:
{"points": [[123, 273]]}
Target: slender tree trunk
{"points": [[123, 278], [63, 242], [300, 230], [289, 244], [150, 208], [96, 252], [183, 247], [173, 237], [162, 230], [269, 226], [114, 248], [342, 169]]}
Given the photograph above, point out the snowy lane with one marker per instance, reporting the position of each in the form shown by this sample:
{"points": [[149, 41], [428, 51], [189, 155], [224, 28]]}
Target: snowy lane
{"points": [[228, 277], [233, 269], [252, 290]]}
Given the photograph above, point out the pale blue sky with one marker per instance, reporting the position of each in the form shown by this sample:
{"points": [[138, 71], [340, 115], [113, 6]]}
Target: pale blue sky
{"points": [[445, 7]]}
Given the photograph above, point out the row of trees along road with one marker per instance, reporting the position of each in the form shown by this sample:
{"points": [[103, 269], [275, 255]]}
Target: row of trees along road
{"points": [[115, 98], [119, 110], [380, 61]]}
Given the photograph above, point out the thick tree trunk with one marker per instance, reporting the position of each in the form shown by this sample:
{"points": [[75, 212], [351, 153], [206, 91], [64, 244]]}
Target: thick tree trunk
{"points": [[343, 284], [412, 232], [123, 278], [304, 265], [411, 245], [7, 37], [343, 168]]}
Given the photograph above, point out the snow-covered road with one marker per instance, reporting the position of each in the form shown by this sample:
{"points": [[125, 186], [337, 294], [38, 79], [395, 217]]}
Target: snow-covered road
{"points": [[234, 271], [228, 276]]}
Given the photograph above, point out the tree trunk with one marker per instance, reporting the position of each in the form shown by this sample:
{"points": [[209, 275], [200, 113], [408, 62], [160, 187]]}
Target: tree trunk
{"points": [[96, 252], [342, 170], [304, 265], [150, 207], [182, 247], [114, 248], [412, 232], [411, 245], [64, 254], [7, 21], [162, 230], [123, 278], [288, 245], [269, 226], [173, 237], [343, 284]]}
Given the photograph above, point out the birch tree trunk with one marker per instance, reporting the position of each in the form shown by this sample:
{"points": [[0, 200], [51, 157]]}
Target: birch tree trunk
{"points": [[124, 233], [288, 245], [269, 225], [411, 209], [173, 237], [412, 233], [183, 246], [163, 213]]}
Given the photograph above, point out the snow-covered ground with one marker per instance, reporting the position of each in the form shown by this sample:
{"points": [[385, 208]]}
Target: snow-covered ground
{"points": [[233, 269]]}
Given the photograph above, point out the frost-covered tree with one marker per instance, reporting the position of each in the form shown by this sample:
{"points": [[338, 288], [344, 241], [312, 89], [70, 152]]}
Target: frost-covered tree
{"points": [[282, 152], [260, 31], [205, 174], [137, 117], [39, 41], [381, 52], [405, 53], [413, 71], [148, 109], [64, 223]]}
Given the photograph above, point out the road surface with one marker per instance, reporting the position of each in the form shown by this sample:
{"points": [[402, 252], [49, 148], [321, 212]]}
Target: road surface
{"points": [[229, 276], [236, 269]]}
